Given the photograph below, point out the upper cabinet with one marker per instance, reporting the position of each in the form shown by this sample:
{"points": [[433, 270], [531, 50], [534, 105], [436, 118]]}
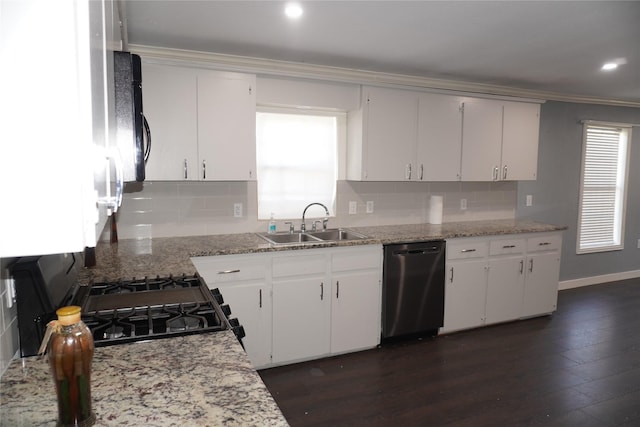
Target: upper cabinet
{"points": [[499, 140], [203, 124], [57, 124], [439, 138], [402, 135], [382, 136]]}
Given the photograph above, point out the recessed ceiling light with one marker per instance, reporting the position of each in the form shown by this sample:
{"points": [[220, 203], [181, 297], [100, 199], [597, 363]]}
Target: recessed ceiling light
{"points": [[293, 10], [612, 65]]}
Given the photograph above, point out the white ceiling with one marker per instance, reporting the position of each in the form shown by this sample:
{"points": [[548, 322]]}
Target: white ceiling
{"points": [[546, 46]]}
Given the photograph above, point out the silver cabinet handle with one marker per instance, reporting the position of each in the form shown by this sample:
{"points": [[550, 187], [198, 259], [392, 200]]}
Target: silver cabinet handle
{"points": [[467, 250], [407, 173], [504, 172], [421, 171], [521, 266], [495, 173], [204, 170], [186, 175], [451, 278], [228, 271], [544, 243], [321, 291], [260, 298], [531, 265], [508, 246], [337, 289]]}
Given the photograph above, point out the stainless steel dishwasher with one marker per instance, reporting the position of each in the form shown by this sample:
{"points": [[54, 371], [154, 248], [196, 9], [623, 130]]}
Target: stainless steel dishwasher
{"points": [[413, 289]]}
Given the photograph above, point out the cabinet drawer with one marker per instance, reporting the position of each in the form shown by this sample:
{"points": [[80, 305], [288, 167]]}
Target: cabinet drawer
{"points": [[507, 246], [549, 242], [299, 265], [223, 269], [463, 250]]}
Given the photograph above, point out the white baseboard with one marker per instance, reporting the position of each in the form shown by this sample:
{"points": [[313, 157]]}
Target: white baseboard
{"points": [[595, 280]]}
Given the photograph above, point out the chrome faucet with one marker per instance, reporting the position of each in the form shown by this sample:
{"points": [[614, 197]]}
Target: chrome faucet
{"points": [[325, 221]]}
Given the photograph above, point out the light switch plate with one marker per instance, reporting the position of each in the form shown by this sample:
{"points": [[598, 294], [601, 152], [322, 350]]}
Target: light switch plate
{"points": [[529, 201], [353, 208], [463, 204], [370, 206]]}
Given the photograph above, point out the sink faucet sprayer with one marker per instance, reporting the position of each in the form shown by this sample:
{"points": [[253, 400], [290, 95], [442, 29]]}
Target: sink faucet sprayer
{"points": [[325, 221]]}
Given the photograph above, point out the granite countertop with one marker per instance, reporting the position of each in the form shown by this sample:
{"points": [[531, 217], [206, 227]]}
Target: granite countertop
{"points": [[171, 255], [197, 380]]}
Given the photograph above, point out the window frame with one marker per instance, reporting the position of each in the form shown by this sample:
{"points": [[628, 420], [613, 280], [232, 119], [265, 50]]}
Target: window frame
{"points": [[622, 179]]}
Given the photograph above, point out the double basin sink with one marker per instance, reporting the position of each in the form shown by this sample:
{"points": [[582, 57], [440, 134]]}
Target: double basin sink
{"points": [[312, 237]]}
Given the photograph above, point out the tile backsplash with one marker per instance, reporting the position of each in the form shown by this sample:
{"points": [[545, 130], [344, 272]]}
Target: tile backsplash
{"points": [[164, 209]]}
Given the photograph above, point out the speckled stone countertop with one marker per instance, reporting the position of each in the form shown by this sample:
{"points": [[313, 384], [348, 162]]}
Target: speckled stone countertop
{"points": [[171, 255], [197, 380]]}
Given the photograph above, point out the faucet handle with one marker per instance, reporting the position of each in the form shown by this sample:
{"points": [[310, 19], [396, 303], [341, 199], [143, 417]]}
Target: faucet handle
{"points": [[314, 227], [291, 228], [325, 222]]}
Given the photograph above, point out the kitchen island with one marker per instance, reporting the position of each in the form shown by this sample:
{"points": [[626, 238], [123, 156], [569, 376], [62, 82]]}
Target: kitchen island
{"points": [[195, 380]]}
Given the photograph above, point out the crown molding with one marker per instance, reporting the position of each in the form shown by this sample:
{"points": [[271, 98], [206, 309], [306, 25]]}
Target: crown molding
{"points": [[269, 67]]}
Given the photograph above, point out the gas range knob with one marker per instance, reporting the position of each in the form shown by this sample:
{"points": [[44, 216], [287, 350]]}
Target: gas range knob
{"points": [[226, 310]]}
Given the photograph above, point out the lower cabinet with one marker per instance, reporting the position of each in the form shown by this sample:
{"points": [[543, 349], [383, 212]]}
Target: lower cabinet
{"points": [[498, 279], [301, 305]]}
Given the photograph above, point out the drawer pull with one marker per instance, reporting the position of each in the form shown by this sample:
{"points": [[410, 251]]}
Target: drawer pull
{"points": [[508, 246], [467, 250], [544, 243], [260, 298], [228, 271]]}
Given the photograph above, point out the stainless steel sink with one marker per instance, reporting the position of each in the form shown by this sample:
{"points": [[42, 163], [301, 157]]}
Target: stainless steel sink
{"points": [[311, 237], [337, 235], [289, 238]]}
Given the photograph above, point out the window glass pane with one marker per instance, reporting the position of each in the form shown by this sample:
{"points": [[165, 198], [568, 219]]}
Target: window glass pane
{"points": [[602, 192], [296, 164]]}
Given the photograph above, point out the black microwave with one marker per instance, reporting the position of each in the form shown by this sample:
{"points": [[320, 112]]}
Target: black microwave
{"points": [[133, 135]]}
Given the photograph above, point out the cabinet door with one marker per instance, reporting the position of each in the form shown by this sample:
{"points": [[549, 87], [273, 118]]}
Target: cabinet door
{"points": [[439, 138], [465, 295], [301, 309], [481, 140], [251, 305], [505, 288], [170, 108], [521, 125], [541, 283], [390, 132], [226, 126], [355, 311]]}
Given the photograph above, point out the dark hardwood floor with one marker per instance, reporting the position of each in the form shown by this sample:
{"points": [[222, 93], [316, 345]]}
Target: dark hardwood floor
{"points": [[580, 366]]}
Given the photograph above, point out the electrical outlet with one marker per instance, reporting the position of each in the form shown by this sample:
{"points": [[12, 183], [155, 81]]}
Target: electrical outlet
{"points": [[237, 210], [529, 201], [463, 204], [370, 206], [638, 243], [353, 208]]}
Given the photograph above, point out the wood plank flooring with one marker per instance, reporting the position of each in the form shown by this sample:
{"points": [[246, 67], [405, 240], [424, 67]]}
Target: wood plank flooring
{"points": [[578, 367]]}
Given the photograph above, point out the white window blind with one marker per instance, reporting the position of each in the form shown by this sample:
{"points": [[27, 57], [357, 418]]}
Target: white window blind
{"points": [[296, 163], [602, 190]]}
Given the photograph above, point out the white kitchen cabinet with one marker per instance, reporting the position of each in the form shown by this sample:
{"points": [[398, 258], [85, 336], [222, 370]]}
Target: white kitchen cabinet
{"points": [[202, 121], [500, 140], [439, 147], [170, 106], [301, 307], [542, 268], [499, 279], [355, 298], [481, 139], [520, 134], [382, 136], [505, 284], [244, 282], [57, 124], [465, 284]]}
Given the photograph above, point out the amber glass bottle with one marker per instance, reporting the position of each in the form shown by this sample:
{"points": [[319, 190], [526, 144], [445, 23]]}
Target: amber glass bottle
{"points": [[70, 352]]}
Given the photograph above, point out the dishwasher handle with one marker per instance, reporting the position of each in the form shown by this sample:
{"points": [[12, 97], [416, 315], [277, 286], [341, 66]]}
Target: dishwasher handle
{"points": [[423, 251]]}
